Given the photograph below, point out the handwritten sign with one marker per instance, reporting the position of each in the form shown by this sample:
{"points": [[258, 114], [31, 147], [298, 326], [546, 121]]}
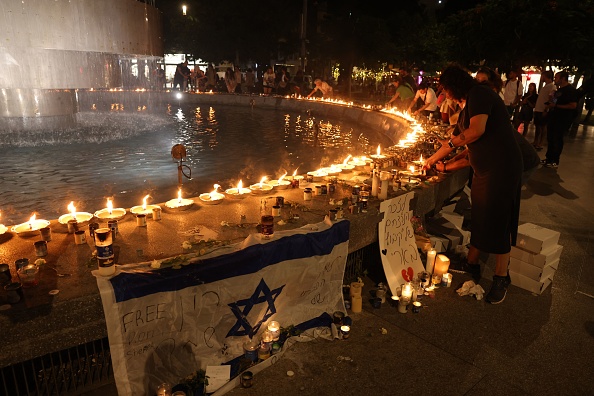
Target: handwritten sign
{"points": [[400, 257], [165, 324]]}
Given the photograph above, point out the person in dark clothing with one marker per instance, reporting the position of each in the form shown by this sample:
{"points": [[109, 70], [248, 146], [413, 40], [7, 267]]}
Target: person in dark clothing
{"points": [[182, 73], [561, 115], [496, 186]]}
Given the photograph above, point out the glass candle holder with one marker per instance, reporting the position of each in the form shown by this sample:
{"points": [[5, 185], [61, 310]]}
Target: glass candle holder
{"points": [[29, 275], [267, 224]]}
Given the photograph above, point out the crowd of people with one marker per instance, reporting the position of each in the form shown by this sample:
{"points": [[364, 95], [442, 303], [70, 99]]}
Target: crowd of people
{"points": [[267, 81]]}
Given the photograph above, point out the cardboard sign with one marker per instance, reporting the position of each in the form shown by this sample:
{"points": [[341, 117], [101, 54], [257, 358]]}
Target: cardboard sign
{"points": [[398, 248]]}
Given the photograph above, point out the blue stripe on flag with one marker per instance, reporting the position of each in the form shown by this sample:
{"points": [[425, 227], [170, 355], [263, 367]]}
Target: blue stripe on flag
{"points": [[252, 259]]}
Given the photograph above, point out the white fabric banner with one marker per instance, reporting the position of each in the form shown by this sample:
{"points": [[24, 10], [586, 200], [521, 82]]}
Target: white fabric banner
{"points": [[398, 247], [163, 324]]}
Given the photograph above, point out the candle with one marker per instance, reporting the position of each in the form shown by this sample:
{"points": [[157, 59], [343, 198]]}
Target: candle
{"points": [[357, 304], [446, 280], [403, 305], [442, 264], [431, 253], [79, 217], [385, 182], [280, 184], [213, 197], [261, 188], [374, 183], [239, 192], [30, 226], [179, 203], [378, 154], [144, 209], [417, 307], [345, 330], [274, 329], [318, 175], [407, 290], [109, 213]]}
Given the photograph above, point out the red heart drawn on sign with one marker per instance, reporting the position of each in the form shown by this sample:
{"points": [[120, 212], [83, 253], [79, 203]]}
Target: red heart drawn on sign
{"points": [[408, 275], [405, 275]]}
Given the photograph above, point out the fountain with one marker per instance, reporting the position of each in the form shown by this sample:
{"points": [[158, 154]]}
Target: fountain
{"points": [[51, 49]]}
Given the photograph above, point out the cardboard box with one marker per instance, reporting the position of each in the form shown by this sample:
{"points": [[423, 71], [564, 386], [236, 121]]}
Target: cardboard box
{"points": [[533, 272], [536, 238], [546, 257], [526, 283]]}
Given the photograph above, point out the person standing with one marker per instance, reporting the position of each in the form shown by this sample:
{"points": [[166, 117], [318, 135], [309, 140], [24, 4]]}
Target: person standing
{"points": [[485, 129], [429, 99], [527, 111], [238, 79], [211, 77], [181, 76], [562, 112], [230, 82], [512, 92], [268, 81], [250, 80], [540, 111]]}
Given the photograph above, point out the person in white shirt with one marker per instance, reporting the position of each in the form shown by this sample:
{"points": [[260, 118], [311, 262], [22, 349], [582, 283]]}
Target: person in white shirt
{"points": [[322, 87], [429, 98], [540, 110], [512, 91]]}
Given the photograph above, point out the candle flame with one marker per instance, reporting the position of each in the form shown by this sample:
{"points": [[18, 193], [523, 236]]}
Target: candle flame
{"points": [[144, 201], [72, 209], [281, 178], [346, 160], [212, 194], [411, 168], [31, 220], [239, 187], [109, 206], [179, 196], [294, 173], [262, 181], [421, 159], [379, 150]]}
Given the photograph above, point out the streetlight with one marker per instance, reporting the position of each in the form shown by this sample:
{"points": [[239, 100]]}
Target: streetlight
{"points": [[184, 9]]}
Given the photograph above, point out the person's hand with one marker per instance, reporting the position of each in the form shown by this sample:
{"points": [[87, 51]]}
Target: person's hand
{"points": [[443, 142], [428, 163], [440, 166]]}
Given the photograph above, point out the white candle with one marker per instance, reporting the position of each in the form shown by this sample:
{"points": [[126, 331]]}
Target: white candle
{"points": [[274, 329], [383, 194], [431, 253], [407, 291], [374, 183]]}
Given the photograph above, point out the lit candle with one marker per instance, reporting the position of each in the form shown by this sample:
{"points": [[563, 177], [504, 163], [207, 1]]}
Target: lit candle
{"points": [[239, 192], [30, 226], [109, 213], [442, 264], [79, 217], [378, 154], [145, 209], [346, 331], [212, 198], [431, 253], [407, 291], [179, 203], [274, 329], [280, 184], [261, 188]]}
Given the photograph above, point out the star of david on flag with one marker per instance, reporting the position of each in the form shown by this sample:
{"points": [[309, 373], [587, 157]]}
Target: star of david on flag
{"points": [[262, 294]]}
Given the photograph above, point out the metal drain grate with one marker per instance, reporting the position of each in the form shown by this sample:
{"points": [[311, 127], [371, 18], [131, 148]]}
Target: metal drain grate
{"points": [[67, 372]]}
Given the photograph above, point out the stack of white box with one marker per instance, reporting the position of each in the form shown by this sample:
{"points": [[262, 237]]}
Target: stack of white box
{"points": [[535, 258]]}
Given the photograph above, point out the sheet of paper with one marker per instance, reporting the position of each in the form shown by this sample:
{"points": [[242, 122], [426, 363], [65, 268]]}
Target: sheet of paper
{"points": [[217, 377]]}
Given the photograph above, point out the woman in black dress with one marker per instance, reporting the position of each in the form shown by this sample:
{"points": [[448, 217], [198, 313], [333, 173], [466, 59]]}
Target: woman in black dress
{"points": [[496, 160]]}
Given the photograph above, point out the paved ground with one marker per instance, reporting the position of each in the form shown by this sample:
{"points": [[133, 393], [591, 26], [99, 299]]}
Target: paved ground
{"points": [[528, 345]]}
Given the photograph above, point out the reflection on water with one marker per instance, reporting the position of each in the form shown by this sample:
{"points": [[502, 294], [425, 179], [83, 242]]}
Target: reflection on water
{"points": [[127, 154]]}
